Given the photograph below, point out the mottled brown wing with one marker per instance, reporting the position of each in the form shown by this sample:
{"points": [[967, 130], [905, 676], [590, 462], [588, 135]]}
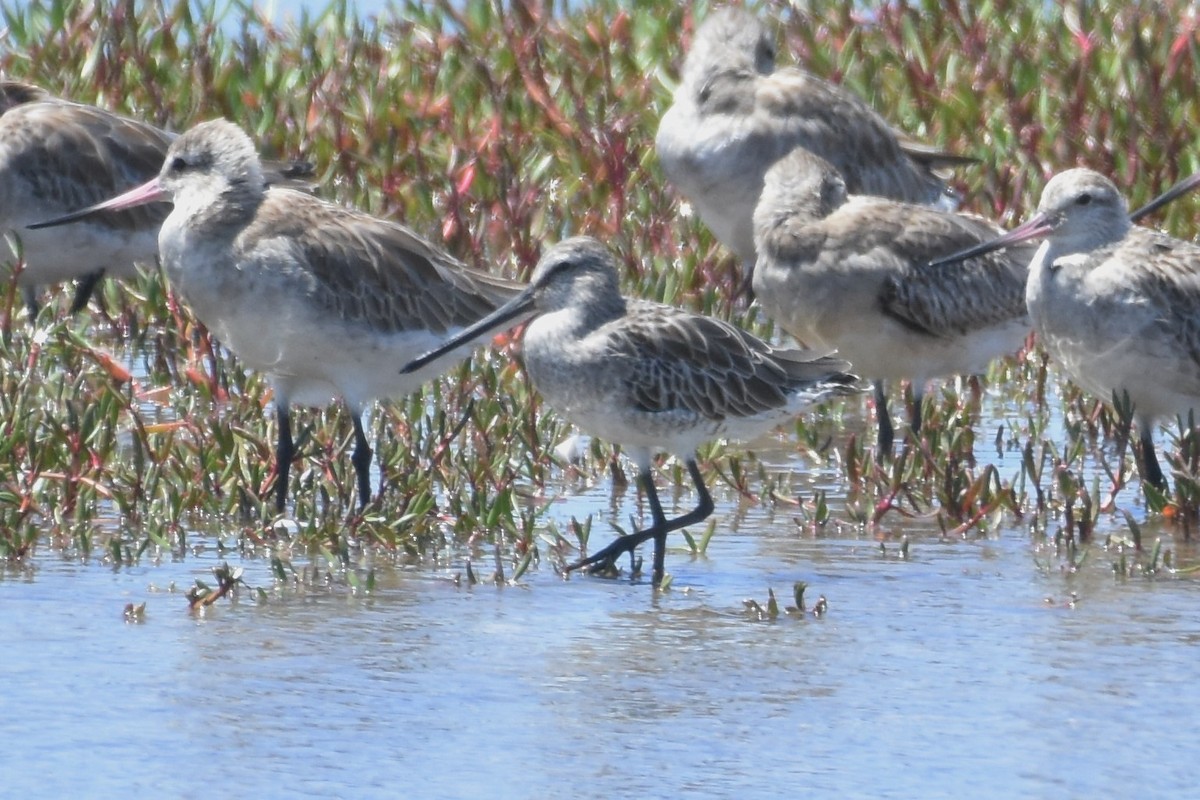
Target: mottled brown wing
{"points": [[379, 271], [682, 361], [957, 298], [828, 111], [77, 155], [837, 125], [1168, 275]]}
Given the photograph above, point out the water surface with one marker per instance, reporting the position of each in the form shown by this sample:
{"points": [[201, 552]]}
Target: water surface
{"points": [[980, 665]]}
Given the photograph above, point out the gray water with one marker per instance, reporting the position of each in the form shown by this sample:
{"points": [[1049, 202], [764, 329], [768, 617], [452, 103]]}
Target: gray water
{"points": [[980, 666]]}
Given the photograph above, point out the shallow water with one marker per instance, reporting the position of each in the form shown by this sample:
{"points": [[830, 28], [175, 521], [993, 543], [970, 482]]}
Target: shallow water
{"points": [[975, 665]]}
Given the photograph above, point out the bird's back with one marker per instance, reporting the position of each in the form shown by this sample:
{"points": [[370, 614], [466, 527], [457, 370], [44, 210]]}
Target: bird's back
{"points": [[659, 376], [859, 280], [64, 156], [837, 125]]}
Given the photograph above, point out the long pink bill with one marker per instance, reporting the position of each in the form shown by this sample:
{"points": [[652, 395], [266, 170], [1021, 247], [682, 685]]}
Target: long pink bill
{"points": [[1038, 225], [1178, 190], [149, 192]]}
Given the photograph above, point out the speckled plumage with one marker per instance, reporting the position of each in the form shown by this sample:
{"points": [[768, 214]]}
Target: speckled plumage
{"points": [[1117, 306], [653, 377], [327, 301], [57, 156], [851, 273], [734, 115]]}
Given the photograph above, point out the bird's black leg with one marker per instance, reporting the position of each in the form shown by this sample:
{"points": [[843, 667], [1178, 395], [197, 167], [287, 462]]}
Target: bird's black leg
{"points": [[29, 295], [658, 531], [659, 528], [285, 450], [918, 393], [83, 290], [702, 511], [604, 559], [1151, 472], [704, 507], [886, 434], [361, 459]]}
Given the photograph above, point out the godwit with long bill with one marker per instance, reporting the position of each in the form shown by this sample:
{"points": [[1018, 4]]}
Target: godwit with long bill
{"points": [[57, 156], [649, 376], [327, 301], [1116, 306]]}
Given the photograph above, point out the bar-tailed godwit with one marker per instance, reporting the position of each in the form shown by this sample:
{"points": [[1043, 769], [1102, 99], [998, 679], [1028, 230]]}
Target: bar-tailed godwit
{"points": [[850, 273], [649, 376], [734, 114], [57, 156], [327, 301], [1117, 306]]}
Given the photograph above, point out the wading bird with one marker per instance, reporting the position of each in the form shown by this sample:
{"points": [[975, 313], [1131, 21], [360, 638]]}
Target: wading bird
{"points": [[850, 273], [649, 376], [1117, 306], [734, 114], [57, 156], [327, 301]]}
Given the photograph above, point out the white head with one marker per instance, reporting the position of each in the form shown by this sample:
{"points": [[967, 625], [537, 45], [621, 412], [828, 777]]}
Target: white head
{"points": [[729, 40], [212, 173], [1080, 211], [1084, 210], [213, 170]]}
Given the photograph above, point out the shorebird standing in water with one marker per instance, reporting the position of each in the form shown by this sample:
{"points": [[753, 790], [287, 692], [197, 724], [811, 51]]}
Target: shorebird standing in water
{"points": [[57, 156], [1115, 305], [850, 273], [649, 376], [325, 300], [734, 115]]}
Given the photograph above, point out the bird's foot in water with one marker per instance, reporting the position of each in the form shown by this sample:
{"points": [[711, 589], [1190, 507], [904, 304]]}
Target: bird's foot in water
{"points": [[604, 562]]}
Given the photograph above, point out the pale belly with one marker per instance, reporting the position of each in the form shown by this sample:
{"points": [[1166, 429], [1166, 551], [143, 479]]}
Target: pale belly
{"points": [[720, 170], [311, 354], [56, 255], [1155, 382]]}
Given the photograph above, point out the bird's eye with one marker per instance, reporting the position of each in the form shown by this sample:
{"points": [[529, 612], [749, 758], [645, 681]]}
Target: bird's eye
{"points": [[1084, 199], [178, 164]]}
